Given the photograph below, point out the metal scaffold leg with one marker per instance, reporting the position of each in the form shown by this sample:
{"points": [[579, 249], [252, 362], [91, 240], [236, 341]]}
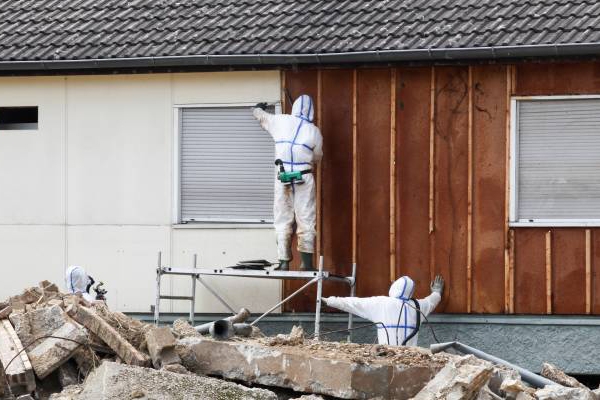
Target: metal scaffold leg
{"points": [[318, 302]]}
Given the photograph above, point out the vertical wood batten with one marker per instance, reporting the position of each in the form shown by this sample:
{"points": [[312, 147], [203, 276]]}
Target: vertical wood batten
{"points": [[588, 271], [319, 173], [470, 191], [354, 167], [549, 272], [432, 90], [511, 270], [508, 294], [393, 175]]}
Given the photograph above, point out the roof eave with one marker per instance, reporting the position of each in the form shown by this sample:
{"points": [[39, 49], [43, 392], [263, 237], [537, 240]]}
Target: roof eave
{"points": [[439, 54]]}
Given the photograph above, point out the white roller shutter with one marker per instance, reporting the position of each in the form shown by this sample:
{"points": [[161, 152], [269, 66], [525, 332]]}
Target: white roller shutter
{"points": [[558, 160], [226, 166]]}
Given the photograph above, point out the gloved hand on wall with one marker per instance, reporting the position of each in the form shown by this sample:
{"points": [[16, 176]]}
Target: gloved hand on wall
{"points": [[263, 106], [438, 285]]}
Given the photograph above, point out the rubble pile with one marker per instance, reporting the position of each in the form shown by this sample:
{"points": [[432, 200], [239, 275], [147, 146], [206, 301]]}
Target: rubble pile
{"points": [[60, 347]]}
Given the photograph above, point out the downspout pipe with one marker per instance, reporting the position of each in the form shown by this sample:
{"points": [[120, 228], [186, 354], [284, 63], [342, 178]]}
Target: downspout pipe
{"points": [[527, 376], [427, 54]]}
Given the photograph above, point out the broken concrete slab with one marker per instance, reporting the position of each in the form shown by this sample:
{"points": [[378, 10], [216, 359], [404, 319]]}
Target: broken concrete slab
{"points": [[40, 322], [19, 373], [108, 334], [297, 368], [182, 328], [555, 374], [558, 392], [53, 351], [161, 346], [516, 389], [460, 379], [3, 385], [112, 381]]}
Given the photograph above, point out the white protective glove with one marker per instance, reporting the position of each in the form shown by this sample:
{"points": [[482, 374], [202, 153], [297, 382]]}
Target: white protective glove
{"points": [[438, 285]]}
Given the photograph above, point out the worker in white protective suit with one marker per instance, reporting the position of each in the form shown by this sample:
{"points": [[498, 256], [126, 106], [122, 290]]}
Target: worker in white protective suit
{"points": [[298, 147], [398, 315], [78, 281]]}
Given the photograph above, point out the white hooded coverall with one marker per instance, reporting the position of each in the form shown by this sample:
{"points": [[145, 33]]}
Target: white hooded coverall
{"points": [[386, 309], [299, 144], [77, 280]]}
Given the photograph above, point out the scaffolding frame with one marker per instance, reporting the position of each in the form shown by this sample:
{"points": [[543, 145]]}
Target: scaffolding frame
{"points": [[196, 274]]}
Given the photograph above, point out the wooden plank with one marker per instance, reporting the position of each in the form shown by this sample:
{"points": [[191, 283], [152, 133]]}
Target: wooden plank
{"points": [[393, 88], [490, 273], [373, 219], [507, 147], [354, 166], [530, 271], [337, 176], [319, 172], [548, 272], [558, 78], [595, 262], [451, 114], [470, 193], [412, 172], [568, 271], [511, 271], [432, 107], [588, 271]]}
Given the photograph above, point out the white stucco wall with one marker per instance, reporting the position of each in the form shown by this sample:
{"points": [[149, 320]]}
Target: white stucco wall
{"points": [[95, 186]]}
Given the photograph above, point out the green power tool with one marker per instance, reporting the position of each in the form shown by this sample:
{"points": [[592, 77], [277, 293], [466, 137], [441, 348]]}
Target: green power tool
{"points": [[289, 177]]}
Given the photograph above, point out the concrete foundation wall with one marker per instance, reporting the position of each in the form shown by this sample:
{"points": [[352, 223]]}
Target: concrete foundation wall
{"points": [[95, 185], [571, 343]]}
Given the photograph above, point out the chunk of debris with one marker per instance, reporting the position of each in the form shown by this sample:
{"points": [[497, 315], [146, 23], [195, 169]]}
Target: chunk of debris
{"points": [[515, 389], [68, 375], [5, 312], [19, 373], [53, 351], [161, 346], [182, 328], [558, 392], [459, 379], [130, 329], [108, 334], [3, 385], [310, 371], [113, 381], [51, 336], [555, 374], [295, 338]]}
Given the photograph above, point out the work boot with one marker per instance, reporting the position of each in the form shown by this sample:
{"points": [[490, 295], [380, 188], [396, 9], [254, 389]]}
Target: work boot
{"points": [[306, 263], [284, 265]]}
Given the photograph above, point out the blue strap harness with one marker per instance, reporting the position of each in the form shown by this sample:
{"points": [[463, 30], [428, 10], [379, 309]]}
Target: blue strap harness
{"points": [[293, 141]]}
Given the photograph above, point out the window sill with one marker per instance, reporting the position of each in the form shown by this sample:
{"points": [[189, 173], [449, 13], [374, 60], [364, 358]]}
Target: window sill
{"points": [[224, 225], [554, 223]]}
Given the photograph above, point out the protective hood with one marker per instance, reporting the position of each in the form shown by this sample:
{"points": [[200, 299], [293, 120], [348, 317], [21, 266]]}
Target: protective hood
{"points": [[403, 288], [304, 108], [76, 279]]}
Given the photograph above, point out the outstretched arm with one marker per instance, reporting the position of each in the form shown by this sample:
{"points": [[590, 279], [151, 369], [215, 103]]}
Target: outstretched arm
{"points": [[265, 118], [367, 307]]}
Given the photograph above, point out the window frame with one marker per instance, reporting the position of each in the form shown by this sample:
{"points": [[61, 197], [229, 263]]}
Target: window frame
{"points": [[513, 169], [177, 130]]}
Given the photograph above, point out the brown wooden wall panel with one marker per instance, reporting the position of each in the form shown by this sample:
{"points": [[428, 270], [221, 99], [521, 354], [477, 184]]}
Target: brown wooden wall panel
{"points": [[530, 271], [568, 271], [336, 126], [373, 177], [412, 173], [595, 260], [300, 82], [489, 157], [450, 240], [558, 78]]}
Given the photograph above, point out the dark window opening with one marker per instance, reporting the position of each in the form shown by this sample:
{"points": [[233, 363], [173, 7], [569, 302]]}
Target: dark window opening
{"points": [[18, 118]]}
